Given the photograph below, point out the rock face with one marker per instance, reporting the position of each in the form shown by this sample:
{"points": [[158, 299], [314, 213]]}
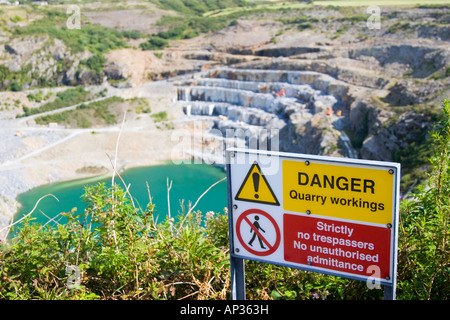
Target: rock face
{"points": [[298, 108], [345, 102], [384, 140], [43, 61], [318, 82]]}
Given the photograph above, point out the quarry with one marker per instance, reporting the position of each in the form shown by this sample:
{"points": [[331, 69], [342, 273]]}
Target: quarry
{"points": [[324, 84]]}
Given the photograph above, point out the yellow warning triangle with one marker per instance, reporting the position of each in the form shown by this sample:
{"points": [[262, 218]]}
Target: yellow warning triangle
{"points": [[255, 188]]}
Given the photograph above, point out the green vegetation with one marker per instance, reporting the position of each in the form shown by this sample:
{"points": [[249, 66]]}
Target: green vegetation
{"points": [[38, 96], [63, 99], [414, 157], [120, 251], [434, 6], [423, 245], [94, 38], [198, 17], [160, 116], [142, 105], [366, 3], [64, 117], [184, 28], [198, 7], [154, 43], [85, 115], [133, 34], [95, 63], [51, 22], [14, 86], [123, 254], [13, 80]]}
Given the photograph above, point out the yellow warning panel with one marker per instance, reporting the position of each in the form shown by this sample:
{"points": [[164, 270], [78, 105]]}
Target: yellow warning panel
{"points": [[347, 192], [255, 188]]}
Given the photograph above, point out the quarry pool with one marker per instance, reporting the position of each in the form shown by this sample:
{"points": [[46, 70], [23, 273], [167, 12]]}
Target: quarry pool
{"points": [[189, 182]]}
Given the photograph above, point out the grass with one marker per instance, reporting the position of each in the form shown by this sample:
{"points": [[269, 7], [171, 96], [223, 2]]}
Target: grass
{"points": [[198, 7], [94, 38], [391, 3], [255, 8], [122, 253], [85, 115], [213, 19], [63, 99], [160, 116], [51, 22]]}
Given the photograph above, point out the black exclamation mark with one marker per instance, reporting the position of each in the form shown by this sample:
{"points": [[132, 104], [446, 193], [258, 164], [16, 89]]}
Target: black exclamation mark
{"points": [[255, 176]]}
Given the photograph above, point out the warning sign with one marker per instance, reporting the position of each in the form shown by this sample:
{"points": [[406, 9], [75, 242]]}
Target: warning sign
{"points": [[341, 246], [331, 215], [348, 192], [255, 188]]}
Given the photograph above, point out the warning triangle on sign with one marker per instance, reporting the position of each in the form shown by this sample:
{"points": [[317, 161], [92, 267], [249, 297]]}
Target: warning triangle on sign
{"points": [[255, 188]]}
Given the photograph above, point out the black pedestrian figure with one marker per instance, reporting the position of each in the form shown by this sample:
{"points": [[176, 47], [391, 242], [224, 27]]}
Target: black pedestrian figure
{"points": [[258, 227]]}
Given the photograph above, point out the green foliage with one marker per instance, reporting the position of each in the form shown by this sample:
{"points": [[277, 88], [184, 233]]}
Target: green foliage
{"points": [[63, 99], [193, 23], [95, 63], [85, 114], [304, 26], [13, 80], [198, 7], [154, 43], [14, 86], [123, 254], [160, 116], [4, 72], [423, 244], [133, 34], [300, 19], [35, 96], [94, 38], [120, 252], [414, 157], [174, 33], [433, 6]]}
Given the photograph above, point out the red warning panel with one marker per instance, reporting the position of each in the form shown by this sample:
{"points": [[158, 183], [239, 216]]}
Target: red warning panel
{"points": [[336, 245]]}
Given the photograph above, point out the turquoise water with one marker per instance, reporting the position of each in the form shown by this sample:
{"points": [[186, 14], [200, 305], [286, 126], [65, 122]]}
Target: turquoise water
{"points": [[189, 181]]}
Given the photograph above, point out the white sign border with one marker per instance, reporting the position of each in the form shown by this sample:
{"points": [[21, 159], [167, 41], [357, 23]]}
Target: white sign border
{"points": [[252, 155]]}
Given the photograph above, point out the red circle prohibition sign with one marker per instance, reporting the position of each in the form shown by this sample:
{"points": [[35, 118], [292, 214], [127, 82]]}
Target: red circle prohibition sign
{"points": [[272, 248]]}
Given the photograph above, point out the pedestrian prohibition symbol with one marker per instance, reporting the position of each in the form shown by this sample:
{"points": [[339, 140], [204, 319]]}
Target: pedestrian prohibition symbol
{"points": [[256, 225]]}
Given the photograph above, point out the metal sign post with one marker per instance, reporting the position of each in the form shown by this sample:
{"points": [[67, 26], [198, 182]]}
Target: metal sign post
{"points": [[329, 215]]}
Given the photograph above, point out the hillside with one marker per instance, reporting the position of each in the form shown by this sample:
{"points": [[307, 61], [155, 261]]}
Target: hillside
{"points": [[351, 90]]}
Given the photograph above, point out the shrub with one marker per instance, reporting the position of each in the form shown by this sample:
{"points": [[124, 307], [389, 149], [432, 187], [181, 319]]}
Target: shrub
{"points": [[63, 99], [122, 253], [154, 43], [133, 34], [198, 7], [160, 116], [98, 111], [95, 63], [424, 269], [14, 86], [94, 38]]}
